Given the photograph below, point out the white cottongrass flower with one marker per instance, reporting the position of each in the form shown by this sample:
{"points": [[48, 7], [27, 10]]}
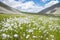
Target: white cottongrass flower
{"points": [[52, 39], [21, 27], [5, 36], [54, 27], [47, 38], [6, 24], [23, 20], [52, 36], [16, 35], [30, 30], [27, 36], [12, 24], [51, 18], [41, 36], [42, 28], [34, 36], [45, 31]]}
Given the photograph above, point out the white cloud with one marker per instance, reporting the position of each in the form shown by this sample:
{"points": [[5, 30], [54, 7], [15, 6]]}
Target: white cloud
{"points": [[48, 0], [21, 0], [29, 6], [32, 7], [10, 0], [44, 0], [51, 3], [24, 5]]}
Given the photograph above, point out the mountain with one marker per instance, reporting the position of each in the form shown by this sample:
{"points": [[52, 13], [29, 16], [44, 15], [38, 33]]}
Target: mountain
{"points": [[7, 9], [54, 9]]}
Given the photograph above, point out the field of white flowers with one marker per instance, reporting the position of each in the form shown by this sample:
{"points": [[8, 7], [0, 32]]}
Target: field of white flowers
{"points": [[29, 27]]}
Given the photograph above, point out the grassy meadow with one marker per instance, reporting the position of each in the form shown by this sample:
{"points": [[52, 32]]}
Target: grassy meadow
{"points": [[29, 27]]}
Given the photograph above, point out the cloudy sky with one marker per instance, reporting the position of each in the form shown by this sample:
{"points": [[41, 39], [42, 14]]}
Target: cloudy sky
{"points": [[30, 5]]}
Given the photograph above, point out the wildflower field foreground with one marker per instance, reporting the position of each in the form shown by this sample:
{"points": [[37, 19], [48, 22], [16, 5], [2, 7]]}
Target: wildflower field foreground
{"points": [[29, 27]]}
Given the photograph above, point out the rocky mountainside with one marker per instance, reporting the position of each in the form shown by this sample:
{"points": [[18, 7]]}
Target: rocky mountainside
{"points": [[6, 9], [55, 9]]}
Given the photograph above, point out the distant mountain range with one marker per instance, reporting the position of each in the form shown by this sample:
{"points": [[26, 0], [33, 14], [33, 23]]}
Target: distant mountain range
{"points": [[54, 9], [7, 9]]}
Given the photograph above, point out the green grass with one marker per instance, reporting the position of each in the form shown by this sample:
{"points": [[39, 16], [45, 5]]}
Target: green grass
{"points": [[29, 27]]}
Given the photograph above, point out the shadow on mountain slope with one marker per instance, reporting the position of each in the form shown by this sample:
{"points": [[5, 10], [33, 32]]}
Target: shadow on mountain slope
{"points": [[54, 9], [7, 9]]}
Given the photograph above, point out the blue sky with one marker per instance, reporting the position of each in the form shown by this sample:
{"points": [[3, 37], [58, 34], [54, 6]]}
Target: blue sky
{"points": [[30, 5], [39, 2]]}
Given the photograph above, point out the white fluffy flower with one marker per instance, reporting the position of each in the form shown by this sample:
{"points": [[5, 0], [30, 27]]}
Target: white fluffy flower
{"points": [[15, 35], [30, 30], [27, 36], [34, 36], [4, 36], [7, 24], [52, 36], [47, 39]]}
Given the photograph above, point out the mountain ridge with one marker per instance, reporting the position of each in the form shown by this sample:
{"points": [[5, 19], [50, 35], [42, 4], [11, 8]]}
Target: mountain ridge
{"points": [[7, 9], [54, 9]]}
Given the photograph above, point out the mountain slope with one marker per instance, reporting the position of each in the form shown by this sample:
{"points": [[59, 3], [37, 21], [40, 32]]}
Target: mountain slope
{"points": [[6, 9], [55, 9]]}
